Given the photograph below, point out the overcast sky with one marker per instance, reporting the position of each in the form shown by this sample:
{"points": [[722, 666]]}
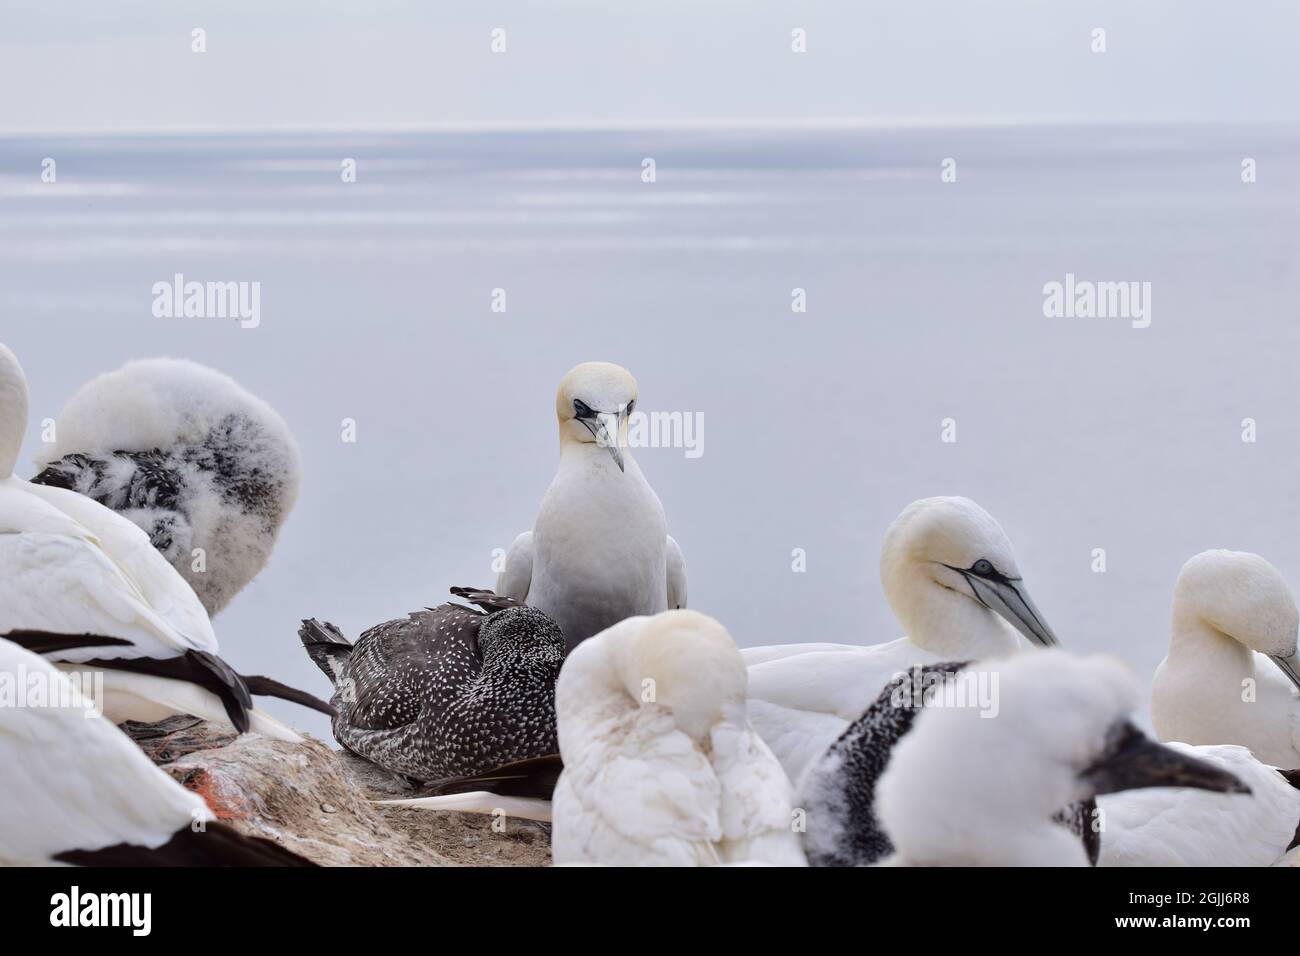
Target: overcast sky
{"points": [[93, 64]]}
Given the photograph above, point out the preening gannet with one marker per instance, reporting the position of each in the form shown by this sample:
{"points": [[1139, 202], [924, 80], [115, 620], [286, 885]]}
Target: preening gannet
{"points": [[82, 585], [599, 550], [950, 576], [447, 692], [661, 766], [962, 789], [80, 791], [1183, 827], [208, 471], [1232, 669]]}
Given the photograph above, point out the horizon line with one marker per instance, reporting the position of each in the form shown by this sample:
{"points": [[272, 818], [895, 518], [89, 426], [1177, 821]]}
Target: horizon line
{"points": [[827, 123]]}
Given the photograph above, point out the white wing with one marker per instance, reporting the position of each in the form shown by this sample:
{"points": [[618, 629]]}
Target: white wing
{"points": [[76, 781], [1185, 827], [676, 576], [637, 793], [801, 702], [167, 593], [55, 576], [517, 577]]}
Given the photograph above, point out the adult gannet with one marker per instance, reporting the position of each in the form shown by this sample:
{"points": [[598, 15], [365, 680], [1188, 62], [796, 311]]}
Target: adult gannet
{"points": [[950, 576], [661, 766], [1232, 663], [83, 585], [1193, 828], [599, 550], [963, 790], [80, 791], [207, 470], [446, 692]]}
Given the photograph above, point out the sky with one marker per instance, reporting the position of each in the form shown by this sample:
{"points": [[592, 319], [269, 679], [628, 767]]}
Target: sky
{"points": [[85, 64]]}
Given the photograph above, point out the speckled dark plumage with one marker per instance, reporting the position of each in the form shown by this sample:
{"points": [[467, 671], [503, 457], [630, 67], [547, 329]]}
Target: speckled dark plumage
{"points": [[839, 788], [445, 692]]}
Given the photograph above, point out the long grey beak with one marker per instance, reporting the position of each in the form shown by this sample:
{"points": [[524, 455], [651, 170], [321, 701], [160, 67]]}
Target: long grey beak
{"points": [[1135, 761], [1290, 667], [1011, 601], [599, 427]]}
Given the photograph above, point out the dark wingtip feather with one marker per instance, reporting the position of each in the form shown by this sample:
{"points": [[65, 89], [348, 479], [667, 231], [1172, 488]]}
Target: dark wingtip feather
{"points": [[268, 687], [217, 844], [488, 600]]}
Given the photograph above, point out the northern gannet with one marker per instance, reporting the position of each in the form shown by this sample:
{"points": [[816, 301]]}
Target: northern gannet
{"points": [[80, 791], [950, 576], [446, 692], [599, 550], [208, 471], [838, 790], [1232, 669], [83, 585], [1182, 827], [661, 766], [964, 790]]}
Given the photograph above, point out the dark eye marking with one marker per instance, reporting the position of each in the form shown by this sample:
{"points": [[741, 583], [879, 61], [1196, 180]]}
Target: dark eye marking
{"points": [[581, 409]]}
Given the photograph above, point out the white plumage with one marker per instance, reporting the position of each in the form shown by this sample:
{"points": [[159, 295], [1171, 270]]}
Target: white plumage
{"points": [[69, 566], [661, 766], [74, 781], [1230, 674], [950, 576], [599, 550], [183, 451], [1187, 827], [965, 789]]}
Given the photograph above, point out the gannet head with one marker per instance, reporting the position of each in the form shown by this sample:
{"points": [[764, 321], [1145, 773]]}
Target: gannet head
{"points": [[954, 544], [683, 661], [13, 410], [1242, 596], [965, 788], [592, 405]]}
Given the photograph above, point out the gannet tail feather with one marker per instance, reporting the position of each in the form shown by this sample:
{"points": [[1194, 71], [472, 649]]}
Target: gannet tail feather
{"points": [[48, 642], [267, 687], [325, 645], [215, 845], [200, 668]]}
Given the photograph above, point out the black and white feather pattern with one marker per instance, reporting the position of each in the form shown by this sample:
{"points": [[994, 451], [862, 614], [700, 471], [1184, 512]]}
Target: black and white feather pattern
{"points": [[445, 692]]}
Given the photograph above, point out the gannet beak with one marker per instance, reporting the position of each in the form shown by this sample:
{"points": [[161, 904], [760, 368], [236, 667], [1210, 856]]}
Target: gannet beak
{"points": [[1136, 761], [1290, 667], [1009, 599], [598, 425]]}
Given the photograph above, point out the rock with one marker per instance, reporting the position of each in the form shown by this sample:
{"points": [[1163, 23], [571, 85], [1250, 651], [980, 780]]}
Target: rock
{"points": [[315, 801]]}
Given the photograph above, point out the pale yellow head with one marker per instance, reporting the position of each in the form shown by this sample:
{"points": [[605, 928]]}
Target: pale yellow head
{"points": [[592, 405]]}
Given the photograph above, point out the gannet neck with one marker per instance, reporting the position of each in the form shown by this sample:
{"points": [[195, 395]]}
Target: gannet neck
{"points": [[13, 410], [1195, 640], [946, 622]]}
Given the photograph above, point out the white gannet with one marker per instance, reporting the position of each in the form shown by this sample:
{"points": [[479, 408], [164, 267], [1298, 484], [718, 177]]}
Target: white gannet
{"points": [[964, 790], [661, 766], [207, 470], [82, 585], [78, 790], [447, 692], [1234, 619], [1183, 827], [951, 578], [599, 550]]}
